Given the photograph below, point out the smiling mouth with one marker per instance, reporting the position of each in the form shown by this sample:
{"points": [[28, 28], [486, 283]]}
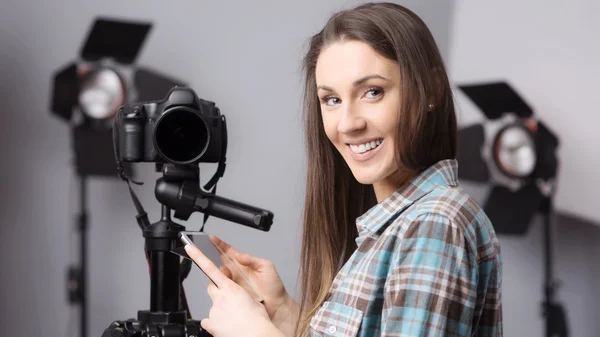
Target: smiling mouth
{"points": [[365, 147]]}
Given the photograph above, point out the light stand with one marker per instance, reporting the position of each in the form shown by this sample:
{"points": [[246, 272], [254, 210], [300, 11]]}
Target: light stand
{"points": [[79, 289], [553, 312]]}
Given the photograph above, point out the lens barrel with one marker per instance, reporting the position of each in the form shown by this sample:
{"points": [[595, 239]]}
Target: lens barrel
{"points": [[181, 135]]}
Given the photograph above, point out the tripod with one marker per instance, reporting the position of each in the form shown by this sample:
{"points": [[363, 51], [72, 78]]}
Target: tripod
{"points": [[178, 190]]}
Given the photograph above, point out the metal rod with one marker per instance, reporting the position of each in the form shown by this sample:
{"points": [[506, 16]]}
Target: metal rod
{"points": [[82, 227]]}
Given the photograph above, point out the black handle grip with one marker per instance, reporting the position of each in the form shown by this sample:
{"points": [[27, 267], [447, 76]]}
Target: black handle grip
{"points": [[186, 197]]}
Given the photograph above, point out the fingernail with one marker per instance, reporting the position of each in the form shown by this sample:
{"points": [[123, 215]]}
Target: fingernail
{"points": [[187, 247]]}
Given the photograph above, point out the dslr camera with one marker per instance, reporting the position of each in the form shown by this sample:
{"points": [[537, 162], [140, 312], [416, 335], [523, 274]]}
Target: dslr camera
{"points": [[179, 129]]}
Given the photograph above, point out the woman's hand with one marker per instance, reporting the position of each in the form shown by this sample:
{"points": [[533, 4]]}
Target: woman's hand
{"points": [[281, 307], [234, 312]]}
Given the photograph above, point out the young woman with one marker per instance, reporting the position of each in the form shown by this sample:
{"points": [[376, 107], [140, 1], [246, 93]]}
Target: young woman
{"points": [[391, 245]]}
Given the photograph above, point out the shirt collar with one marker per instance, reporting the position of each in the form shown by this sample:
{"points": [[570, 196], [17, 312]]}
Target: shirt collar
{"points": [[442, 173]]}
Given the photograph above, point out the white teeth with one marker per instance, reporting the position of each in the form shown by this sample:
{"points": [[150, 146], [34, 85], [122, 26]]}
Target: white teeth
{"points": [[365, 147]]}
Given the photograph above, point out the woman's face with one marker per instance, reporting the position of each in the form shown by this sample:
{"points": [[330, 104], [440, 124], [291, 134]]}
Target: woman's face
{"points": [[359, 91]]}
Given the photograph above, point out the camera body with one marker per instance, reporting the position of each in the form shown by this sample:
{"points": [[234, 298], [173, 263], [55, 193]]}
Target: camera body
{"points": [[179, 129]]}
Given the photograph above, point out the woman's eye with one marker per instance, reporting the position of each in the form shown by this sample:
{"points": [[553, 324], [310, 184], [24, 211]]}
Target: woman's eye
{"points": [[330, 100], [374, 93]]}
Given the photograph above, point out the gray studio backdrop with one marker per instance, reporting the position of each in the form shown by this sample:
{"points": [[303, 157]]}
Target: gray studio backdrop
{"points": [[243, 55]]}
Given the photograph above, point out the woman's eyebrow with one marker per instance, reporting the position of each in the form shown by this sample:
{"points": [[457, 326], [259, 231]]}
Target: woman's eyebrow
{"points": [[357, 82], [368, 77]]}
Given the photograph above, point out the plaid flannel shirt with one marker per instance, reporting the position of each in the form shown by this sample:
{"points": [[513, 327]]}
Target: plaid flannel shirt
{"points": [[427, 264]]}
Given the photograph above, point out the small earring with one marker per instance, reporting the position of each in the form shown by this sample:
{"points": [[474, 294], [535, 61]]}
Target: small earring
{"points": [[430, 106]]}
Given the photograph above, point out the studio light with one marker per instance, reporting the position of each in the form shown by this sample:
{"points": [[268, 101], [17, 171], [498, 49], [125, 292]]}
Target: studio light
{"points": [[512, 152], [86, 94]]}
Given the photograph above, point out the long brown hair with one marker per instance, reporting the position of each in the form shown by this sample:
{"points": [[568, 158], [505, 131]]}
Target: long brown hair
{"points": [[426, 134]]}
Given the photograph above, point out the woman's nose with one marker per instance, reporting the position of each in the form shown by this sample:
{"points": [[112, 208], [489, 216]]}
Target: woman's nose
{"points": [[350, 120]]}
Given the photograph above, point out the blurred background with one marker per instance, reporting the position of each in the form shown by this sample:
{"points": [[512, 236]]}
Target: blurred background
{"points": [[245, 56]]}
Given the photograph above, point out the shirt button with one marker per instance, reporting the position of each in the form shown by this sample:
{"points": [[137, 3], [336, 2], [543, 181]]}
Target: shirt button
{"points": [[332, 329]]}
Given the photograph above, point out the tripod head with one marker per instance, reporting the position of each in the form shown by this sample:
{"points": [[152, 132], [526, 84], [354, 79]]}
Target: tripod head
{"points": [[179, 189]]}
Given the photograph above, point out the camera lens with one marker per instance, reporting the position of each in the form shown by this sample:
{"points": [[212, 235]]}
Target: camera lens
{"points": [[181, 135]]}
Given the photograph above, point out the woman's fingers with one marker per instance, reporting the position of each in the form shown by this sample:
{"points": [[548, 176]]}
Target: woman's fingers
{"points": [[226, 271], [212, 291], [207, 266], [206, 325], [244, 259], [249, 261], [225, 247]]}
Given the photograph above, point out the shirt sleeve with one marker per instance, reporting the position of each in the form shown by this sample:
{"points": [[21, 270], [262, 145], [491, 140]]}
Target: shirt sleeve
{"points": [[431, 288]]}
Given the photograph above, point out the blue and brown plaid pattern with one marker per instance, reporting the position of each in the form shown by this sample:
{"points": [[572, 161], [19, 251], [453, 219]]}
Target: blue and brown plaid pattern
{"points": [[428, 264]]}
